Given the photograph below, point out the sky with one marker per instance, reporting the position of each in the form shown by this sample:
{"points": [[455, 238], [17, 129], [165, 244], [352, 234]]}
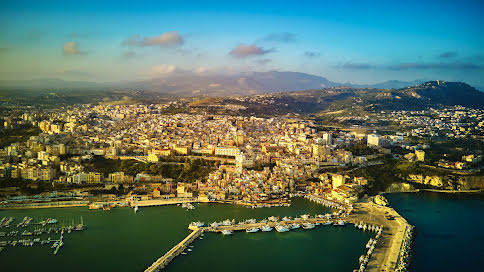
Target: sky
{"points": [[344, 41]]}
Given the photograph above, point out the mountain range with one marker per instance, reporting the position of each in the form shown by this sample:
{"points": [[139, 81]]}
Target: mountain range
{"points": [[214, 84]]}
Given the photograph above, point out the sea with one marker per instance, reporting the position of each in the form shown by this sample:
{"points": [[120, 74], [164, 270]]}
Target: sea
{"points": [[449, 238], [449, 229], [121, 240]]}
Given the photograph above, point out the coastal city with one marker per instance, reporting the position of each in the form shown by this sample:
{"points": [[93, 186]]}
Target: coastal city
{"points": [[254, 136], [251, 161]]}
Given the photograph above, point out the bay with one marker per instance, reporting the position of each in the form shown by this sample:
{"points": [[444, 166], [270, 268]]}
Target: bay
{"points": [[449, 229]]}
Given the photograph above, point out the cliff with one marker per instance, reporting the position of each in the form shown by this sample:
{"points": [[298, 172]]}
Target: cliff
{"points": [[450, 182]]}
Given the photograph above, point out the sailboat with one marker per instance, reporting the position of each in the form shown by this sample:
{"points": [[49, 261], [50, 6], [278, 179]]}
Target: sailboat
{"points": [[80, 226]]}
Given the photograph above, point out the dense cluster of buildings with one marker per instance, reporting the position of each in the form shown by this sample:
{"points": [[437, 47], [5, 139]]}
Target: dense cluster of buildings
{"points": [[272, 156]]}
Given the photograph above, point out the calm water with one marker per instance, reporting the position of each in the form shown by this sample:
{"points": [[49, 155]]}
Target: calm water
{"points": [[120, 240], [450, 230]]}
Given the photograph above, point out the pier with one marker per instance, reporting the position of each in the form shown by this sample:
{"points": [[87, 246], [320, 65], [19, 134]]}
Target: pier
{"points": [[162, 202], [243, 227], [175, 251]]}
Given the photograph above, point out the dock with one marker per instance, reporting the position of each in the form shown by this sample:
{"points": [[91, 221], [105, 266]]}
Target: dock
{"points": [[175, 251], [162, 202], [243, 227]]}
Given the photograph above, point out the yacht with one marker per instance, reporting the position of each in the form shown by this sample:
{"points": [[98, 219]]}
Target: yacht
{"points": [[227, 222], [226, 232], [251, 221], [281, 228], [339, 223], [305, 216], [266, 228], [327, 223], [294, 226], [197, 224], [308, 226], [285, 218], [250, 230], [273, 218]]}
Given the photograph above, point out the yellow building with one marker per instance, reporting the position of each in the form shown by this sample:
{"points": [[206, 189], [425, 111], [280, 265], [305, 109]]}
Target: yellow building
{"points": [[420, 155], [183, 150], [337, 180], [153, 158]]}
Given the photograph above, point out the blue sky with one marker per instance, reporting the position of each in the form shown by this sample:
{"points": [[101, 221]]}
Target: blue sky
{"points": [[349, 41]]}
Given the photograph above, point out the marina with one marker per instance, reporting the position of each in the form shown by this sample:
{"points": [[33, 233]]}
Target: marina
{"points": [[228, 227], [49, 226], [148, 231]]}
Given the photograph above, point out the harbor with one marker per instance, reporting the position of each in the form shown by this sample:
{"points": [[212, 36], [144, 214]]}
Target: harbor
{"points": [[228, 227], [148, 232], [37, 235]]}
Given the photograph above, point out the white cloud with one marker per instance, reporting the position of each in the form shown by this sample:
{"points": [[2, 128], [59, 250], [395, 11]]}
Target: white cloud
{"points": [[167, 39], [71, 48], [244, 51], [162, 69]]}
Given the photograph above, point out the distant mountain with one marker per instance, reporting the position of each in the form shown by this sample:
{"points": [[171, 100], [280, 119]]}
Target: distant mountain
{"points": [[184, 83], [390, 84], [47, 83], [233, 84]]}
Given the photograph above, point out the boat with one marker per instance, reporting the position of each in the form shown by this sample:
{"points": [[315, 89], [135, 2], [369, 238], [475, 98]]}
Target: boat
{"points": [[184, 253], [305, 216], [189, 250], [273, 218], [294, 226], [225, 232], [281, 228], [52, 221], [136, 209], [250, 221], [327, 223], [197, 224], [285, 218], [81, 226], [227, 222], [250, 230], [266, 228], [339, 223], [308, 226]]}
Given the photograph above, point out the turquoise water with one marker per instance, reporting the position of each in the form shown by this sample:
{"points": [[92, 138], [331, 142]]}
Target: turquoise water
{"points": [[120, 240], [450, 230]]}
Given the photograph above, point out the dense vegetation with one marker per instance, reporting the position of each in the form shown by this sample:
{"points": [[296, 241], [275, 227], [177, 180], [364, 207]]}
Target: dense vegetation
{"points": [[179, 169], [19, 134]]}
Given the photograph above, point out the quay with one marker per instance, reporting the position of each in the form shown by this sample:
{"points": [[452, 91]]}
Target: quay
{"points": [[162, 202], [39, 205], [243, 227], [175, 251]]}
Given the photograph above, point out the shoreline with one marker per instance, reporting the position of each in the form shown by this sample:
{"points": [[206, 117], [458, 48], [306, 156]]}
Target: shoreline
{"points": [[473, 191]]}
